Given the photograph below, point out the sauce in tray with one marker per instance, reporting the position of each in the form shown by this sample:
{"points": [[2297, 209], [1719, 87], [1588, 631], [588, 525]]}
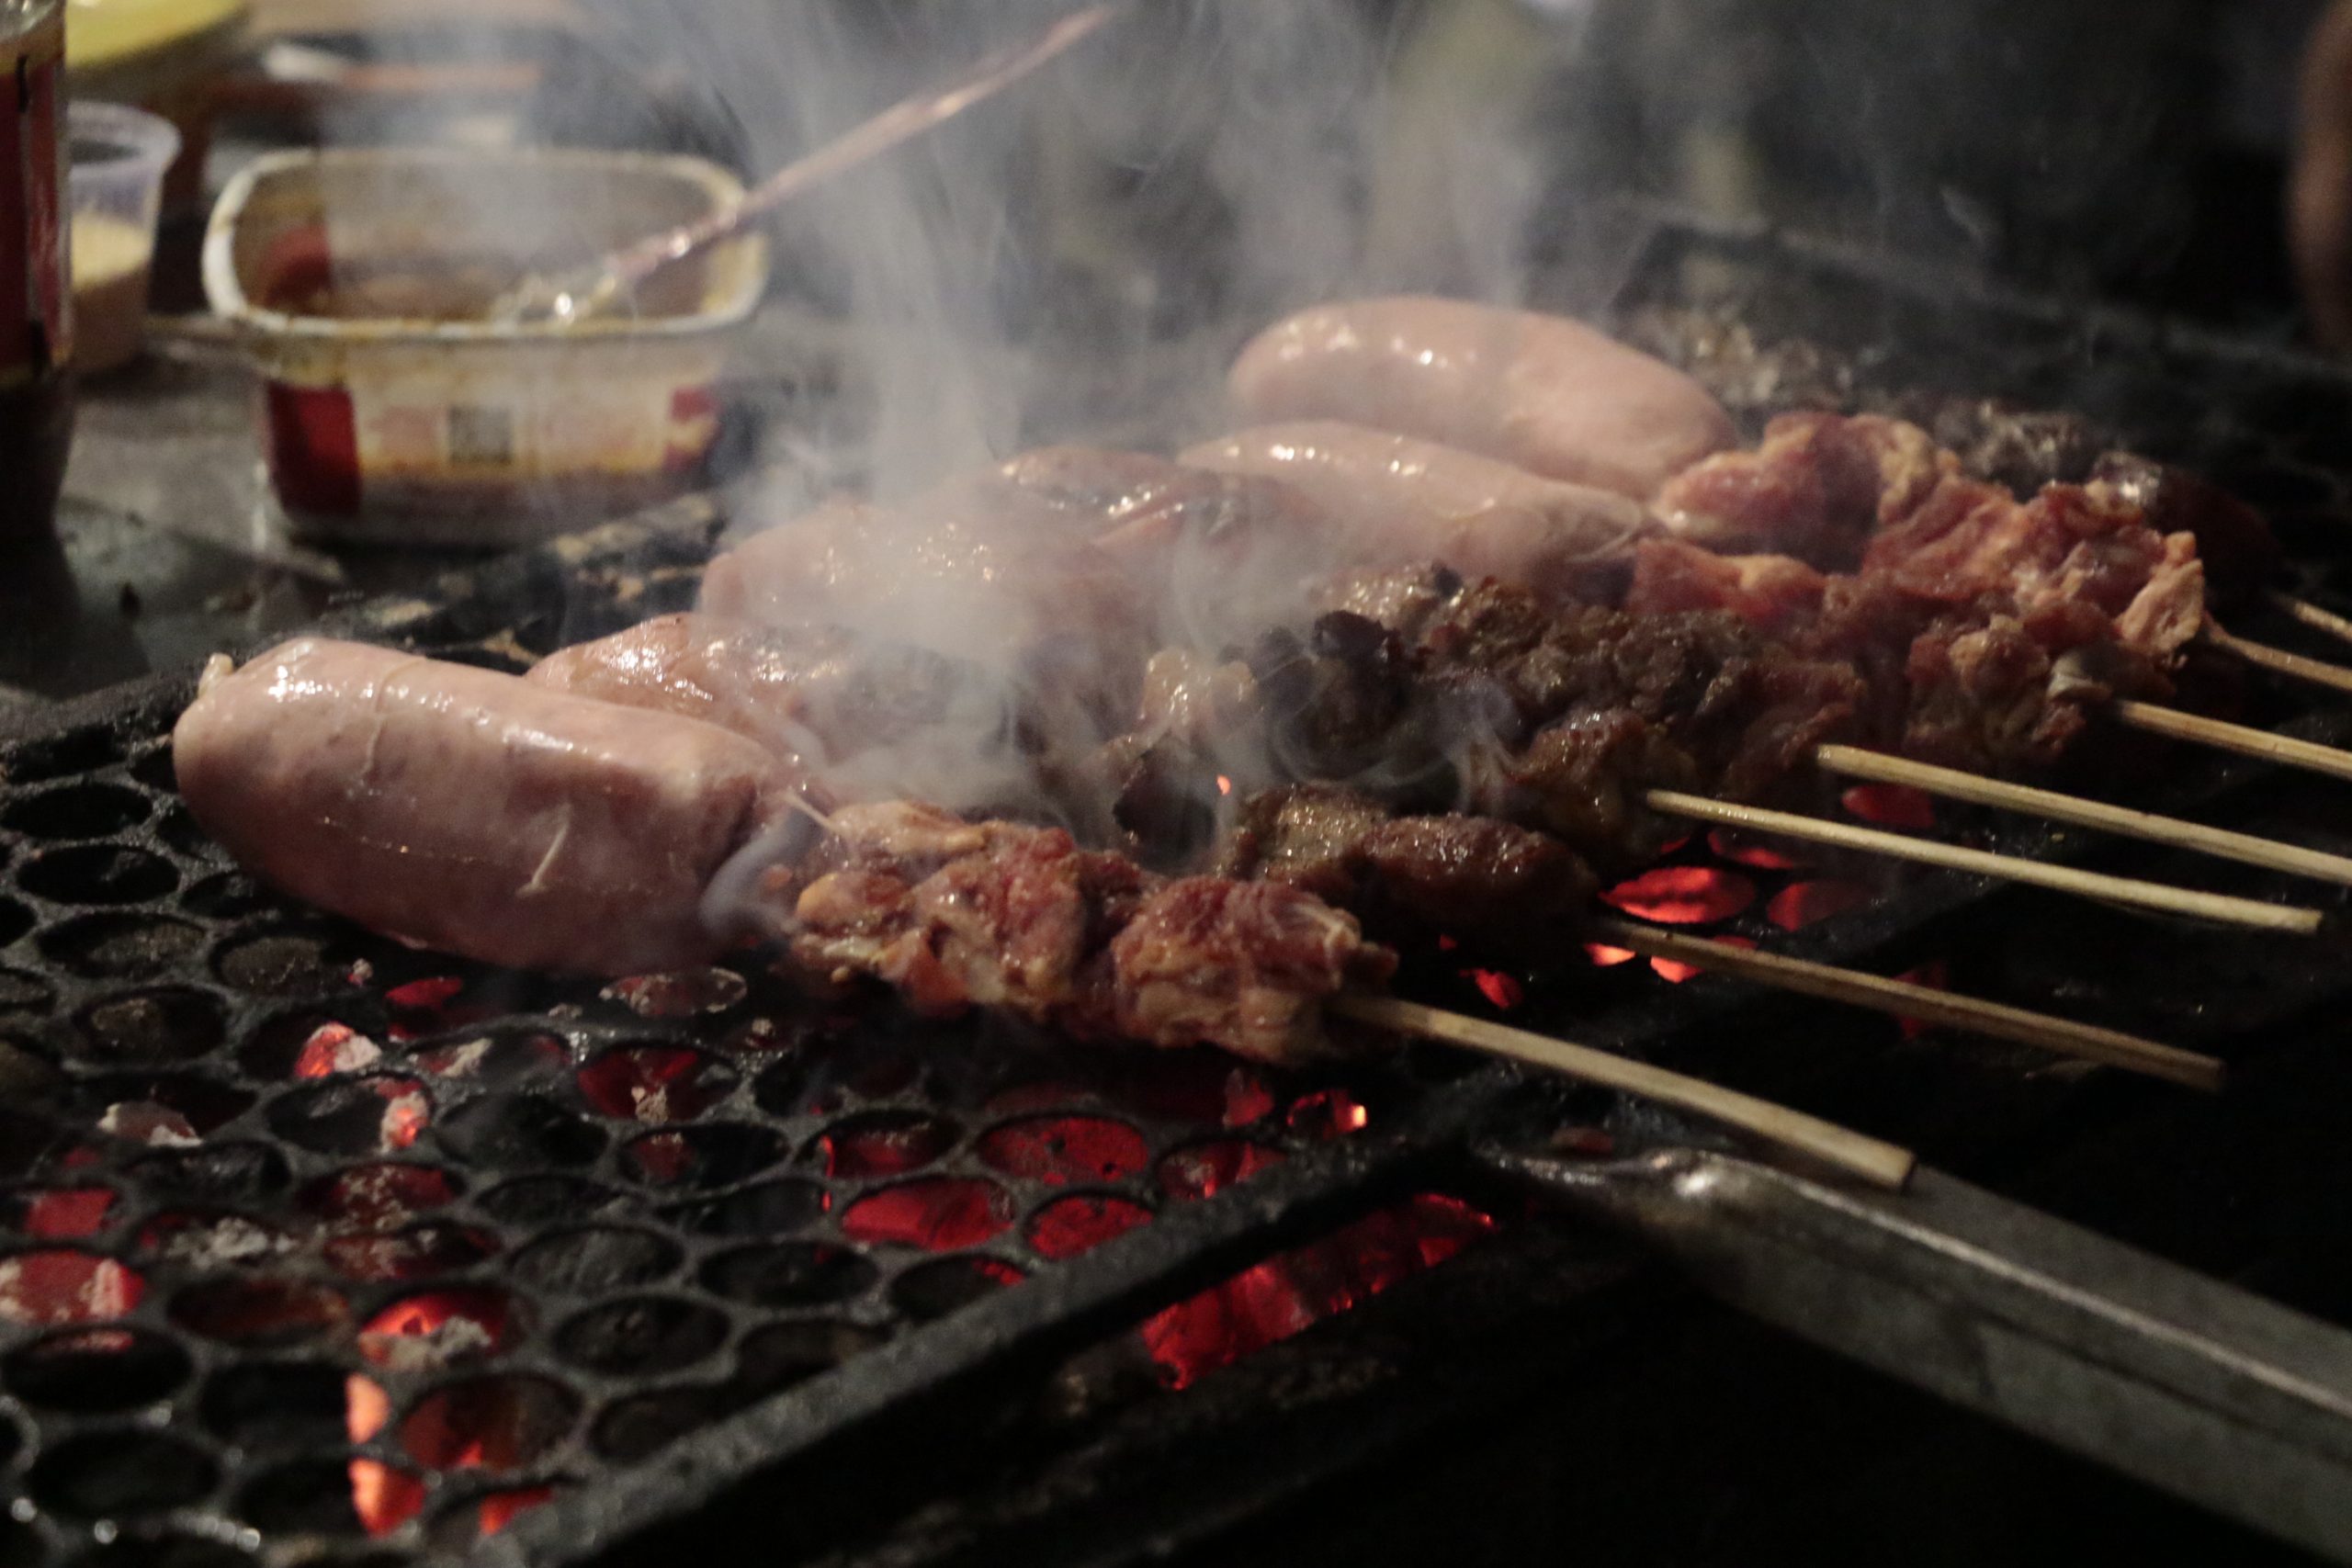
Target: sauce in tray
{"points": [[434, 287]]}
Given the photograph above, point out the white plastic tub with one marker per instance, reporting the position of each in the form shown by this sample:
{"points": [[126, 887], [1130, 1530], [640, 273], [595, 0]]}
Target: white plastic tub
{"points": [[398, 428]]}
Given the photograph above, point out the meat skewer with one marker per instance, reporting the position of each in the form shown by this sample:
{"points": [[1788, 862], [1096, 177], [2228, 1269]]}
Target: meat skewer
{"points": [[1879, 1163], [2312, 615], [1462, 876], [2243, 740], [328, 768], [1150, 506], [457, 808], [1556, 398], [1905, 999], [1853, 762], [2248, 912]]}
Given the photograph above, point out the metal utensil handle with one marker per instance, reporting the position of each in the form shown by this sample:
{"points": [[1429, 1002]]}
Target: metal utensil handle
{"points": [[2192, 1386], [899, 123]]}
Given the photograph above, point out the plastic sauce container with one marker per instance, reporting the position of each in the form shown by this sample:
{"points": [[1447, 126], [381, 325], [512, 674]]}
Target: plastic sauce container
{"points": [[115, 187], [393, 411]]}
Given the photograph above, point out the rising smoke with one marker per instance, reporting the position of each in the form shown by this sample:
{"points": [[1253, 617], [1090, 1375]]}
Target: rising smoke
{"points": [[1076, 263]]}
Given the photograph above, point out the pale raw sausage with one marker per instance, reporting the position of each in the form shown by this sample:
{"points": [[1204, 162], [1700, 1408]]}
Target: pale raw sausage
{"points": [[471, 811], [1540, 392], [1394, 500]]}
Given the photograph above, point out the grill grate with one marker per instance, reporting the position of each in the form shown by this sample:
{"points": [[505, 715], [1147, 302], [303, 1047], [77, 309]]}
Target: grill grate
{"points": [[376, 1237], [311, 1245]]}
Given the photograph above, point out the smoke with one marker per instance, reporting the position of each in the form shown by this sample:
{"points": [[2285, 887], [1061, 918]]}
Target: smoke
{"points": [[1076, 262]]}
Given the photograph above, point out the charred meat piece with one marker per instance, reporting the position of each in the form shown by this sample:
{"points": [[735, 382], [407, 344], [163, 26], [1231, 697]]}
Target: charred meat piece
{"points": [[2241, 555], [955, 915], [2018, 449], [1246, 965], [1484, 881], [1818, 488], [1585, 779]]}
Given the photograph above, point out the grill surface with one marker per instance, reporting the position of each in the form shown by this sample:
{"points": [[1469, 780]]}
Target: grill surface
{"points": [[312, 1244]]}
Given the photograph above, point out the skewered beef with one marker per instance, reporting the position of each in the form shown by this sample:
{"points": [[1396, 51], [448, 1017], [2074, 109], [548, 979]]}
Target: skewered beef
{"points": [[1817, 488], [1473, 877], [955, 915]]}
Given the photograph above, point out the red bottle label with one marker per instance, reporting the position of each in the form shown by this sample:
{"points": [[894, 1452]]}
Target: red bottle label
{"points": [[36, 291]]}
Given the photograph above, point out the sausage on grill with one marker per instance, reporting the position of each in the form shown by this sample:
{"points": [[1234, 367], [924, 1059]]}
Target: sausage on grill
{"points": [[1540, 392], [1399, 500], [470, 811]]}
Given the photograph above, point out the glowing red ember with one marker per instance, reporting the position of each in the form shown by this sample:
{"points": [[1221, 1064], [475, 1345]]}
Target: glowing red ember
{"points": [[1068, 1227], [1276, 1299], [378, 1195], [1891, 806], [1683, 895], [421, 1332], [940, 1213], [497, 1423], [384, 1498], [1742, 850], [1675, 971], [1327, 1113], [653, 1083], [1801, 904], [502, 1508], [890, 1142], [1205, 1169], [62, 1213], [62, 1285], [1936, 975], [1059, 1150], [335, 1048], [366, 1407], [1502, 990]]}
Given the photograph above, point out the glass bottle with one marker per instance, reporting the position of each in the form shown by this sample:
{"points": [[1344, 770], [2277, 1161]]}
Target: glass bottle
{"points": [[35, 289]]}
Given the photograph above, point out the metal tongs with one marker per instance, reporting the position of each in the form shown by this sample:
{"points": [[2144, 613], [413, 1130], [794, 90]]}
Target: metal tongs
{"points": [[579, 293], [2186, 1382]]}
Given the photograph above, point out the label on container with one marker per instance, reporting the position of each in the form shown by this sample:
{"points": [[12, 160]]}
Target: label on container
{"points": [[415, 430], [35, 294]]}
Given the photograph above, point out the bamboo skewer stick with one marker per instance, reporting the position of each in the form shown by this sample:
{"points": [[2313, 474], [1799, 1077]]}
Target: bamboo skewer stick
{"points": [[2279, 661], [1906, 999], [2062, 879], [1855, 763], [2242, 738], [2312, 615], [1880, 1164]]}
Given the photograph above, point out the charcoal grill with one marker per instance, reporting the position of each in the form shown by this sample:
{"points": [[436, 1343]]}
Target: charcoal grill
{"points": [[319, 1248]]}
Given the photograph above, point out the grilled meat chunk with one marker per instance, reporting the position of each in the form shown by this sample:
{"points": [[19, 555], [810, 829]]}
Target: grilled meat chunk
{"points": [[2240, 553], [1818, 488], [955, 915], [1468, 877]]}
